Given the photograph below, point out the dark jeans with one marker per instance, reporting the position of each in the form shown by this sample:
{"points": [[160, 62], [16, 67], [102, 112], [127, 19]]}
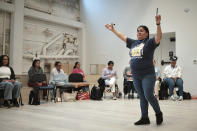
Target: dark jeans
{"points": [[171, 84], [144, 86]]}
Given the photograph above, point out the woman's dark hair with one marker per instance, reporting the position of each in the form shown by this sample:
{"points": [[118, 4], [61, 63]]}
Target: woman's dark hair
{"points": [[1, 60], [110, 62], [145, 28], [56, 63], [34, 62], [76, 64]]}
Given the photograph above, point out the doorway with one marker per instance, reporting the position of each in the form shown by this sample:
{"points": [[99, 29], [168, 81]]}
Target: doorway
{"points": [[166, 48]]}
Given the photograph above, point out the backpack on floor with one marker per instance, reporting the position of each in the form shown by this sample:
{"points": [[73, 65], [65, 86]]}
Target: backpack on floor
{"points": [[163, 92], [96, 93], [186, 95], [34, 97]]}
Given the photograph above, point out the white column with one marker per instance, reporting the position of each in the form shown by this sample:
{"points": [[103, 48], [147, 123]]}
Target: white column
{"points": [[82, 49], [16, 37]]}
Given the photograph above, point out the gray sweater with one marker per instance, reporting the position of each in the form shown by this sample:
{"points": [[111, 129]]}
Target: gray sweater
{"points": [[32, 72]]}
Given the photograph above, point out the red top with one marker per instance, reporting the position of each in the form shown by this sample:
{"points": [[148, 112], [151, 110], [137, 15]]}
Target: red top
{"points": [[79, 71]]}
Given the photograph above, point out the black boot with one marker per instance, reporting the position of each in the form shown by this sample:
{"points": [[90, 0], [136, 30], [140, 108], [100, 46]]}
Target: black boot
{"points": [[143, 121], [15, 102], [6, 104], [159, 118], [132, 96]]}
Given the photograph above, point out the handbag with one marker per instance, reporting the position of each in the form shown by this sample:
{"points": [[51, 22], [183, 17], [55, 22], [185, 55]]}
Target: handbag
{"points": [[83, 95], [69, 96]]}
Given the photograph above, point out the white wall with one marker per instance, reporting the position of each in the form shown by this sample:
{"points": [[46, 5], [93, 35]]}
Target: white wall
{"points": [[102, 45], [162, 51]]}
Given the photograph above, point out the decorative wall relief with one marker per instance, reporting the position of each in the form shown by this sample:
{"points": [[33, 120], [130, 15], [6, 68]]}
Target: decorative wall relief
{"points": [[49, 43], [69, 46]]}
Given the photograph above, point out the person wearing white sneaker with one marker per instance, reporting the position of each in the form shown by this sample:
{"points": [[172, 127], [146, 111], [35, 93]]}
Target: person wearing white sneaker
{"points": [[172, 77], [172, 98], [180, 98], [110, 76]]}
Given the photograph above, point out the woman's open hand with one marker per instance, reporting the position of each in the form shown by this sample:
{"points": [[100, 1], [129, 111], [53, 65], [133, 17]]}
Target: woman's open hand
{"points": [[109, 27]]}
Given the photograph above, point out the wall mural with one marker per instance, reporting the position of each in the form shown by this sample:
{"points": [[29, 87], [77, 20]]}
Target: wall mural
{"points": [[62, 45], [70, 45]]}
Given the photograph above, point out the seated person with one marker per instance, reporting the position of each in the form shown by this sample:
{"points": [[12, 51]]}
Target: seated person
{"points": [[77, 69], [34, 70], [110, 76], [128, 82], [58, 77], [7, 81], [33, 73], [172, 77], [158, 79]]}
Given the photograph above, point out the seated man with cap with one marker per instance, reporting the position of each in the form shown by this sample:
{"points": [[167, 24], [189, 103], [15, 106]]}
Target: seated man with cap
{"points": [[172, 77]]}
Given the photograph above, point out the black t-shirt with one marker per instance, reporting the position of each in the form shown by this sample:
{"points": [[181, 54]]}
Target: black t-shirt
{"points": [[141, 52]]}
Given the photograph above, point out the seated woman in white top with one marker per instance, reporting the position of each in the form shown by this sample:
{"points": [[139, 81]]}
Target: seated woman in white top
{"points": [[110, 77], [8, 83]]}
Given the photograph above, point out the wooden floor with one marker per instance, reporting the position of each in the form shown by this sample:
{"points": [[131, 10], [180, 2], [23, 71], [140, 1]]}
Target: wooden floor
{"points": [[106, 115]]}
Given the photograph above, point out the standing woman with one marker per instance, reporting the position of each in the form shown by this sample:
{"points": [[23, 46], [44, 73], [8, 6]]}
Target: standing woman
{"points": [[7, 80], [141, 52]]}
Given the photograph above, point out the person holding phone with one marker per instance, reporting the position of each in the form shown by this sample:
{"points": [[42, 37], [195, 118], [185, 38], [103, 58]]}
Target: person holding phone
{"points": [[141, 53]]}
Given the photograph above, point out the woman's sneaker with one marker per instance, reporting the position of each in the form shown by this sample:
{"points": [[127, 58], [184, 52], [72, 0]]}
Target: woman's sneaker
{"points": [[180, 98], [172, 98], [159, 118], [143, 121]]}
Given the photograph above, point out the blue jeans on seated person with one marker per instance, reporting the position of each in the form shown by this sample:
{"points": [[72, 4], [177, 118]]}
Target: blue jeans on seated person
{"points": [[144, 86], [8, 88], [171, 84], [11, 90]]}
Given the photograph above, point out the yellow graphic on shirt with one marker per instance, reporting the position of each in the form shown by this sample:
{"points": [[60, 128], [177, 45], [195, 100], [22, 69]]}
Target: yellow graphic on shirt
{"points": [[137, 51]]}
